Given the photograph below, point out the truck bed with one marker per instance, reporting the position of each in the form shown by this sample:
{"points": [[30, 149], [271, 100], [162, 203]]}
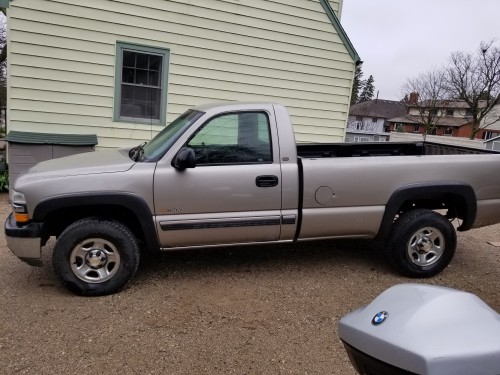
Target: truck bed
{"points": [[332, 150]]}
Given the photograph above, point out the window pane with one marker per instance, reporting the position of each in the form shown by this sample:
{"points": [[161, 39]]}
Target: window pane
{"points": [[264, 128], [142, 61], [222, 130], [234, 139], [142, 102], [147, 71], [141, 94], [254, 137], [128, 75], [155, 62], [129, 108], [141, 77], [129, 58], [152, 104], [127, 92], [154, 78]]}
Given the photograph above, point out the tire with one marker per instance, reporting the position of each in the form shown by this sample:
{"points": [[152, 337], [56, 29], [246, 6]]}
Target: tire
{"points": [[95, 257], [422, 243]]}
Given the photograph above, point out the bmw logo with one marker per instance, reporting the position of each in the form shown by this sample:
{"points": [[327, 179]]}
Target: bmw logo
{"points": [[379, 318]]}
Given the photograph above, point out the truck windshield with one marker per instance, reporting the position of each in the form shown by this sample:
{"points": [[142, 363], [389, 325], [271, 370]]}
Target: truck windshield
{"points": [[160, 144]]}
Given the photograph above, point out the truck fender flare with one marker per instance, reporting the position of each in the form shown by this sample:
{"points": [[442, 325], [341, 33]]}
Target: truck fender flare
{"points": [[132, 202], [427, 191]]}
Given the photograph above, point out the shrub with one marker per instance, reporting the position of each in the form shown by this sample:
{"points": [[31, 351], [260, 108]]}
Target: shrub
{"points": [[4, 181]]}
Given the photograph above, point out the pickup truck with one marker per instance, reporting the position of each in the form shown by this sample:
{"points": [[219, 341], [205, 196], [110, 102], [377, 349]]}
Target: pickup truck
{"points": [[232, 174]]}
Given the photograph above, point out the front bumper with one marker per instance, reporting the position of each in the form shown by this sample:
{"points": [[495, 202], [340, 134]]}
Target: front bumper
{"points": [[24, 241]]}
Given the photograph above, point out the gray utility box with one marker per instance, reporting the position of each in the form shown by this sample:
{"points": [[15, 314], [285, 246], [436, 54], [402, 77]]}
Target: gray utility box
{"points": [[424, 330], [25, 149]]}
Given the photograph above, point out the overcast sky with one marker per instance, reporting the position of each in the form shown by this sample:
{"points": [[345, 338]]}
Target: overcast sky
{"points": [[398, 39]]}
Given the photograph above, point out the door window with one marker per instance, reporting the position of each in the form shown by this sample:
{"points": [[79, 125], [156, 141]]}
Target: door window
{"points": [[233, 138]]}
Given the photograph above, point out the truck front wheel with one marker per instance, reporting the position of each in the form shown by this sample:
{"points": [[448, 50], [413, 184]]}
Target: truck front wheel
{"points": [[95, 257], [422, 243]]}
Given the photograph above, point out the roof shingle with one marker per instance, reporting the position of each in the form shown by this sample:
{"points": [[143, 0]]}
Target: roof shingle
{"points": [[378, 108]]}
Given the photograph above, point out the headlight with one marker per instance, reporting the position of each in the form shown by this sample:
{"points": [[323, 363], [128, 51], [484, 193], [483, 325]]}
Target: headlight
{"points": [[19, 207]]}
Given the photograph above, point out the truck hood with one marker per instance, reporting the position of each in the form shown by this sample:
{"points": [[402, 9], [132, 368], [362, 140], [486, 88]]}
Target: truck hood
{"points": [[108, 161]]}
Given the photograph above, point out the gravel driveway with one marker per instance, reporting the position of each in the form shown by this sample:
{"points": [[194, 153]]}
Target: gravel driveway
{"points": [[251, 310]]}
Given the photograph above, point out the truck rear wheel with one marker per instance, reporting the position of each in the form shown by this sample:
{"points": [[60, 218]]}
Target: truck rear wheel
{"points": [[422, 243], [95, 257]]}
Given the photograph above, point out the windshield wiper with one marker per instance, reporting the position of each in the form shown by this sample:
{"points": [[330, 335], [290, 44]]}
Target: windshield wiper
{"points": [[136, 152]]}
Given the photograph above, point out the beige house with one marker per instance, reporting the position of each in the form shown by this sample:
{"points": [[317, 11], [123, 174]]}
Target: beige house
{"points": [[122, 69]]}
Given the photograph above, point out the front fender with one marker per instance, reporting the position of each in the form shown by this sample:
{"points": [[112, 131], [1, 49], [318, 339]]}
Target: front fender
{"points": [[131, 202]]}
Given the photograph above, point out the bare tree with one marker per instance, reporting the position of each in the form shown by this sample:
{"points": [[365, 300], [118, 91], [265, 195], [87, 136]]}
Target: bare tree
{"points": [[475, 78], [431, 93]]}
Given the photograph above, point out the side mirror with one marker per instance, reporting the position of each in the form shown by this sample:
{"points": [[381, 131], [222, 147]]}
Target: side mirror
{"points": [[185, 158]]}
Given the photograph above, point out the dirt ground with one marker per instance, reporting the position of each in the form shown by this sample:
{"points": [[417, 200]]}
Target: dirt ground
{"points": [[252, 310]]}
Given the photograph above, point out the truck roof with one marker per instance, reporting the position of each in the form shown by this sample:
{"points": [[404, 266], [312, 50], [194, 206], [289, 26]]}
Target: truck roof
{"points": [[228, 106]]}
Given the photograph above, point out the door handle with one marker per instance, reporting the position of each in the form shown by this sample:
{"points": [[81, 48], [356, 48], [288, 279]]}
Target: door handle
{"points": [[266, 181]]}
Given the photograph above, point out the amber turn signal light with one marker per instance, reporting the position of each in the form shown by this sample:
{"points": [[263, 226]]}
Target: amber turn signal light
{"points": [[20, 217]]}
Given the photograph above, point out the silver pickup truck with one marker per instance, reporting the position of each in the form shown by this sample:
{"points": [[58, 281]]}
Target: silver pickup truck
{"points": [[231, 174]]}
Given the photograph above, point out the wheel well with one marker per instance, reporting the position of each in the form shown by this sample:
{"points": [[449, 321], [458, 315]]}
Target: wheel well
{"points": [[59, 219], [454, 205], [458, 201], [58, 213]]}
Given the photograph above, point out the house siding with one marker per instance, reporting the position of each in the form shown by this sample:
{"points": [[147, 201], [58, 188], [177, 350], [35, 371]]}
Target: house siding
{"points": [[62, 59]]}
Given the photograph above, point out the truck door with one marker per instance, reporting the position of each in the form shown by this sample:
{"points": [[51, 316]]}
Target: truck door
{"points": [[233, 195]]}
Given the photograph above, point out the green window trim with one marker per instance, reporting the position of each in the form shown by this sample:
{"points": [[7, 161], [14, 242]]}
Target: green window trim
{"points": [[340, 31], [163, 83], [4, 3]]}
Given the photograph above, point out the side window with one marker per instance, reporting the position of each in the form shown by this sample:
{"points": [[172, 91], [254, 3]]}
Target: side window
{"points": [[140, 84], [234, 138]]}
